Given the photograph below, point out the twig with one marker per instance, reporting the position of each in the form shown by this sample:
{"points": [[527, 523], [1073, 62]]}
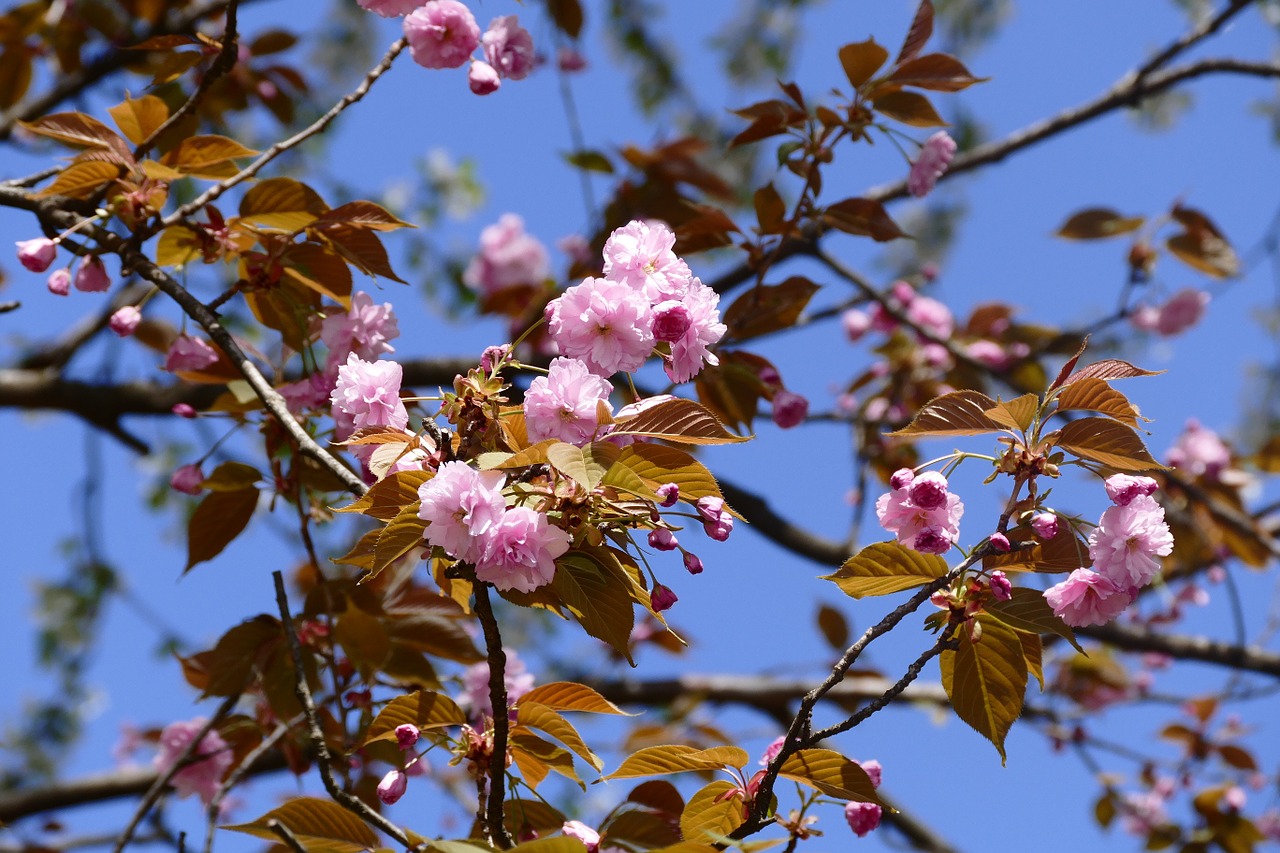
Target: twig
{"points": [[495, 828], [323, 759], [280, 147], [233, 778], [286, 835], [1186, 648], [1191, 37], [162, 781]]}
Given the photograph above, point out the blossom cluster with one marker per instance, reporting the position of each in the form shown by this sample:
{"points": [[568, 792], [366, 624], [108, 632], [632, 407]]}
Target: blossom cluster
{"points": [[1124, 546], [646, 298], [208, 763], [921, 511]]}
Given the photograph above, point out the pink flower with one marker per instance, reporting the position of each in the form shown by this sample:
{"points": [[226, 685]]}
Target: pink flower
{"points": [[1000, 542], [989, 353], [692, 564], [508, 47], [931, 316], [855, 323], [1123, 488], [493, 357], [311, 392], [1127, 540], [1045, 524], [91, 276], [1199, 452], [475, 684], [576, 248], [604, 323], [59, 283], [125, 320], [37, 255], [873, 769], [564, 404], [508, 257], [932, 528], [670, 321], [934, 158], [929, 490], [902, 478], [771, 751], [188, 479], [1145, 318], [366, 330], [789, 409], [662, 597], [662, 539], [368, 394], [717, 521], [1087, 598], [669, 493], [188, 353], [390, 8], [862, 817], [641, 255], [690, 352], [1001, 588], [393, 786], [579, 830], [406, 736], [1182, 312], [520, 551], [483, 78], [441, 34], [208, 762], [462, 505]]}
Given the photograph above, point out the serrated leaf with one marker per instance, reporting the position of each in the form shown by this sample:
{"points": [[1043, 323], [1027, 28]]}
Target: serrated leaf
{"points": [[81, 180], [386, 498], [535, 757], [361, 248], [1028, 611], [1063, 553], [1095, 395], [79, 130], [1096, 223], [584, 465], [768, 308], [364, 639], [678, 420], [282, 203], [1015, 414], [678, 758], [919, 33], [319, 269], [138, 118], [1103, 440], [863, 217], [884, 568], [705, 818], [657, 465], [217, 521], [831, 773], [986, 681], [640, 829], [318, 825], [862, 59], [360, 214], [540, 717], [598, 597], [200, 155], [401, 535], [957, 413], [571, 696], [1033, 654], [937, 72], [910, 108], [423, 709], [1108, 369]]}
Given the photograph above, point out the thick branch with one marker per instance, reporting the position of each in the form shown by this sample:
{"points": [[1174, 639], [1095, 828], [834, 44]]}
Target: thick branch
{"points": [[795, 539], [1184, 647]]}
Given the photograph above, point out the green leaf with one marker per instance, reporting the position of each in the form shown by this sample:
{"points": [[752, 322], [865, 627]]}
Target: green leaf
{"points": [[570, 696], [217, 521], [884, 568], [598, 597], [679, 420], [986, 681], [957, 413], [319, 825], [1028, 611], [1096, 223], [831, 773], [862, 59], [423, 709], [1103, 440], [677, 758], [704, 818], [584, 465]]}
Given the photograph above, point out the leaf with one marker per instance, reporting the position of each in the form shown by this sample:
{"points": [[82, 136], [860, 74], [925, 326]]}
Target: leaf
{"points": [[567, 16], [957, 413], [1105, 441], [15, 74], [584, 465], [570, 696], [770, 209], [589, 161], [535, 756], [79, 130], [177, 245], [1017, 413], [1205, 252], [282, 203], [1028, 611], [520, 815], [541, 717], [831, 773], [986, 681], [884, 568], [937, 72], [138, 118], [834, 627], [679, 420], [598, 598], [919, 33], [1238, 758], [231, 477], [361, 248], [1096, 223], [81, 180], [217, 521], [910, 108], [200, 155], [677, 758], [364, 639], [321, 270], [387, 497], [768, 308], [554, 844], [1033, 654], [641, 829], [658, 465], [863, 217], [1063, 553], [423, 709], [1095, 395], [1109, 368], [862, 59], [401, 535], [360, 214], [319, 825], [704, 818], [708, 228]]}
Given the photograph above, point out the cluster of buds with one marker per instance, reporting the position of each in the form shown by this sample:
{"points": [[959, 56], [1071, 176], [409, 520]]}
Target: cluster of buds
{"points": [[970, 596]]}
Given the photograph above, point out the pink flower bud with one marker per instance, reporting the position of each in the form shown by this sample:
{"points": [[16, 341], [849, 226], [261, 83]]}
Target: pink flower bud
{"points": [[671, 319], [929, 490], [1123, 488], [125, 321], [670, 493], [662, 597], [789, 409], [769, 376], [692, 563], [483, 78], [933, 160], [772, 750], [91, 275], [1001, 589], [932, 540], [38, 254], [902, 478], [873, 769], [570, 60], [862, 817], [579, 830], [1000, 542], [855, 323], [493, 356], [188, 353], [406, 735], [393, 786], [60, 282], [903, 292], [1045, 524], [184, 410], [188, 479], [662, 539]]}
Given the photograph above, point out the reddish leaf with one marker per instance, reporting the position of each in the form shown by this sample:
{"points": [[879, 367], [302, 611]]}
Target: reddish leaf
{"points": [[1108, 442], [1108, 369], [1093, 394], [218, 520], [81, 180], [909, 108], [767, 308], [566, 15], [919, 33], [862, 59], [863, 217], [770, 209], [361, 214], [957, 413], [79, 130], [938, 72]]}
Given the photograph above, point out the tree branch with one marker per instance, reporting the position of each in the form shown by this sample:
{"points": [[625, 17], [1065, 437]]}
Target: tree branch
{"points": [[1183, 647]]}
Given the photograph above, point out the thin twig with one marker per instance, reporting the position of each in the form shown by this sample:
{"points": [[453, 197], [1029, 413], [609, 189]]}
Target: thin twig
{"points": [[495, 828], [286, 835], [233, 778]]}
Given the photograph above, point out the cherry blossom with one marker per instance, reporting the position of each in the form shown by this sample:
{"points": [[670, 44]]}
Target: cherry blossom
{"points": [[508, 257], [188, 353], [605, 324], [461, 505], [934, 158], [208, 762], [520, 550], [37, 255], [441, 34], [1087, 598], [1127, 540], [564, 404]]}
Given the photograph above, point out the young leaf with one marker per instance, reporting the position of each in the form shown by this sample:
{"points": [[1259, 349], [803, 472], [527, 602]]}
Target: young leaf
{"points": [[217, 521], [1202, 245], [937, 72], [401, 535], [986, 681], [910, 108], [677, 758], [316, 267], [770, 209], [317, 824], [957, 413], [657, 465], [1103, 440], [1033, 654], [541, 717], [679, 420], [1028, 611], [1095, 395], [831, 773], [589, 161], [834, 627], [567, 16], [81, 180], [522, 815], [203, 155], [1108, 369], [360, 214], [422, 709], [918, 34], [710, 814], [768, 307], [884, 568], [79, 130], [570, 696], [598, 598], [641, 829], [138, 118], [862, 59], [1063, 553], [1096, 223], [386, 498], [1017, 413], [282, 203], [535, 756], [863, 217], [584, 465]]}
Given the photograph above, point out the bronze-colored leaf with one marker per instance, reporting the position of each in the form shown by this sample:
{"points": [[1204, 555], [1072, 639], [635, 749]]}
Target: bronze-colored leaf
{"points": [[770, 209], [79, 130], [768, 308], [1205, 252], [15, 73], [81, 180], [282, 203], [863, 217], [138, 118], [1028, 611], [957, 413], [318, 824], [360, 214], [1095, 395], [834, 627], [657, 465], [677, 758], [862, 59], [535, 716], [711, 813], [1108, 369], [1096, 223], [200, 155], [986, 681], [401, 535], [678, 420], [570, 696], [884, 568], [1015, 414], [831, 773], [910, 108], [217, 521], [919, 33], [423, 709], [937, 72], [599, 597], [567, 16], [590, 161], [1106, 441], [319, 269], [386, 498]]}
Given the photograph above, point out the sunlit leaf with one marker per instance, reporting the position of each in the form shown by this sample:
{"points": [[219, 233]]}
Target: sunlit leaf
{"points": [[986, 681], [570, 696], [768, 308], [386, 498], [360, 214], [704, 818], [138, 118], [319, 269], [1108, 442], [677, 758], [77, 129], [957, 413], [544, 719], [862, 59], [535, 757], [1108, 369], [598, 598], [831, 773], [199, 155], [1095, 395], [679, 420], [282, 203], [657, 465], [422, 709], [590, 161], [1027, 610], [584, 465], [81, 180], [770, 209], [401, 535], [884, 568], [1015, 414], [910, 108], [317, 824]]}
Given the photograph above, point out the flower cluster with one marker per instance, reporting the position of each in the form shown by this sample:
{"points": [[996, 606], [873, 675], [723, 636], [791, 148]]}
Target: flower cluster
{"points": [[209, 761], [1123, 547], [1183, 310], [933, 160], [647, 297], [864, 817], [920, 511], [508, 258]]}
